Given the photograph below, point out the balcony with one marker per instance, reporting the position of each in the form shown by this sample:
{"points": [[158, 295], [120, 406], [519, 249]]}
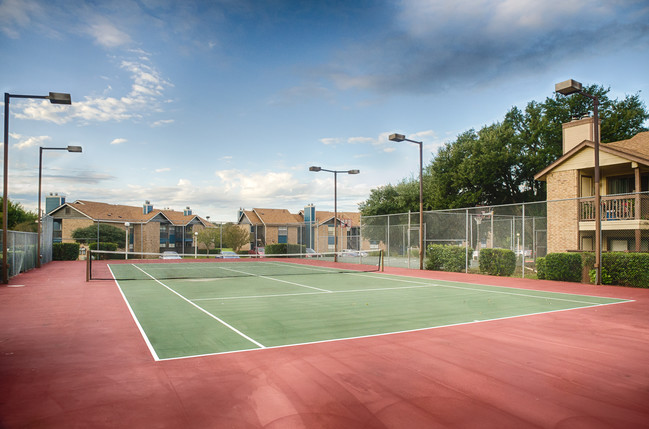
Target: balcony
{"points": [[616, 208]]}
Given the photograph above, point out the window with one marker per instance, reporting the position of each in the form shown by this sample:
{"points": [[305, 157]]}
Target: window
{"points": [[587, 186], [282, 234], [621, 185]]}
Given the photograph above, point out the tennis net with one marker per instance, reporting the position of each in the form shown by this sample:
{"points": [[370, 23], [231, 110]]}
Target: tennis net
{"points": [[109, 265]]}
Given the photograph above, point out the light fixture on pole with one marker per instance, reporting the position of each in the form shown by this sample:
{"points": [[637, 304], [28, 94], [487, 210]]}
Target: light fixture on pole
{"points": [[40, 178], [335, 172], [126, 225], [571, 87], [55, 98], [401, 138]]}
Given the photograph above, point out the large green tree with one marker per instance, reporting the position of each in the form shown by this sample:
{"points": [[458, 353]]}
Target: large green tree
{"points": [[19, 219], [497, 164], [209, 237], [235, 236], [107, 234]]}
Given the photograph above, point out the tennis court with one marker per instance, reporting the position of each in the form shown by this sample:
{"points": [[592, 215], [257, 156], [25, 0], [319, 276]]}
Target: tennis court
{"points": [[73, 355], [193, 308]]}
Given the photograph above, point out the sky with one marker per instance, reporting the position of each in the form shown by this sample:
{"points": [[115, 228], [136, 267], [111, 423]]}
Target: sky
{"points": [[225, 104]]}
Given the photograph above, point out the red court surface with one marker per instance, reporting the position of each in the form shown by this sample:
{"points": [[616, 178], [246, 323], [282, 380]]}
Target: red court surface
{"points": [[71, 356]]}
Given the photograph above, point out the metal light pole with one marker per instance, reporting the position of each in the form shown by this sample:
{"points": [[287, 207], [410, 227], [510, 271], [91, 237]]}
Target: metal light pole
{"points": [[55, 98], [40, 176], [570, 87], [401, 138], [195, 244], [335, 172], [126, 225]]}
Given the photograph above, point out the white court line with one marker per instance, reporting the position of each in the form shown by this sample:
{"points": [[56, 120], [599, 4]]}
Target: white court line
{"points": [[137, 322], [274, 279], [224, 323], [315, 293], [397, 332], [419, 284], [495, 291]]}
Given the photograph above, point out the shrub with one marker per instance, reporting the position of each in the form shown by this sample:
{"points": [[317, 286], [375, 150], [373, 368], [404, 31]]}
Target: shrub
{"points": [[103, 246], [434, 257], [284, 248], [626, 269], [65, 251], [541, 270], [563, 267], [446, 258], [497, 262]]}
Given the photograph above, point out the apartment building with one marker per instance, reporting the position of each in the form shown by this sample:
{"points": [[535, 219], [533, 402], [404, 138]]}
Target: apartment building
{"points": [[624, 174]]}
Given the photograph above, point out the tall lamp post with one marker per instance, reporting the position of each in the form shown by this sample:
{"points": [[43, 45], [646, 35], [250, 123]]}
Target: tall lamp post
{"points": [[401, 138], [335, 172], [571, 87], [40, 178], [55, 98]]}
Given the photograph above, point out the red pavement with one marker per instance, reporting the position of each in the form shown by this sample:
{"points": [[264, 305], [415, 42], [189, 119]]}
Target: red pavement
{"points": [[71, 356]]}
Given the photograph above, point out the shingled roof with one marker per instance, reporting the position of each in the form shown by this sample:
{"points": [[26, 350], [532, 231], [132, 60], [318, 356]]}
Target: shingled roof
{"points": [[105, 212], [277, 216], [635, 149]]}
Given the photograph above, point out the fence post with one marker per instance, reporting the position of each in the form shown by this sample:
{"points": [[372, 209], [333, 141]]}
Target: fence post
{"points": [[523, 240], [466, 240]]}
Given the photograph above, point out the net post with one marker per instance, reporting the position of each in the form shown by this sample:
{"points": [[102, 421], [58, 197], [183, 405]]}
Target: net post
{"points": [[381, 260], [88, 265]]}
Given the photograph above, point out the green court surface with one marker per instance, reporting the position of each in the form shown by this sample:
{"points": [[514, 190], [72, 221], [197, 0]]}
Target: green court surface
{"points": [[204, 315]]}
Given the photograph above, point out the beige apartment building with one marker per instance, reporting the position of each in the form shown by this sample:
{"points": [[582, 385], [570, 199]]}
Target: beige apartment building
{"points": [[624, 173], [149, 230], [311, 228]]}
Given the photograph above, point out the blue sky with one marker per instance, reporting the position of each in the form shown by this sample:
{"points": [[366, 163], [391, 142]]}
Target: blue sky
{"points": [[218, 105]]}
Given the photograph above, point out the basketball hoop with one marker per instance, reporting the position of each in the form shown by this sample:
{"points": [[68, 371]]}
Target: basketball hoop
{"points": [[478, 218]]}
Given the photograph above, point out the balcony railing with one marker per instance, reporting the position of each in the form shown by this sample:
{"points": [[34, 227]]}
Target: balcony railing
{"points": [[616, 208]]}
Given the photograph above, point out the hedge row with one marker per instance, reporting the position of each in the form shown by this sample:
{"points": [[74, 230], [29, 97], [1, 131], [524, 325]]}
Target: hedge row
{"points": [[496, 262], [65, 251], [618, 268], [446, 258], [283, 249]]}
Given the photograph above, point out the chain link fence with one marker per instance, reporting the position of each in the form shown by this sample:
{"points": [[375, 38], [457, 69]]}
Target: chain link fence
{"points": [[521, 228], [22, 246]]}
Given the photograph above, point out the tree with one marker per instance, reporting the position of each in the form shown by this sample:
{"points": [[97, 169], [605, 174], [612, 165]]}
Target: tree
{"points": [[497, 164], [235, 236], [19, 219], [209, 237], [107, 234]]}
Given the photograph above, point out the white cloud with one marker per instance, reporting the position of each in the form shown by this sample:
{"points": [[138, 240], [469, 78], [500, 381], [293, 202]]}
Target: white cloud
{"points": [[258, 189], [118, 141], [330, 140], [27, 142], [16, 14], [162, 170], [360, 140], [144, 99], [107, 35], [162, 122]]}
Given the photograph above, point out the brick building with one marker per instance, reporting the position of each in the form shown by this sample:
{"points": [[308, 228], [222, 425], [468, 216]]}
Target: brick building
{"points": [[149, 230], [310, 228], [624, 174]]}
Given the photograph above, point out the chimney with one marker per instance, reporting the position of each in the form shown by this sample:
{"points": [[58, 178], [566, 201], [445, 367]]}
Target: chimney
{"points": [[576, 131], [147, 207], [188, 211]]}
